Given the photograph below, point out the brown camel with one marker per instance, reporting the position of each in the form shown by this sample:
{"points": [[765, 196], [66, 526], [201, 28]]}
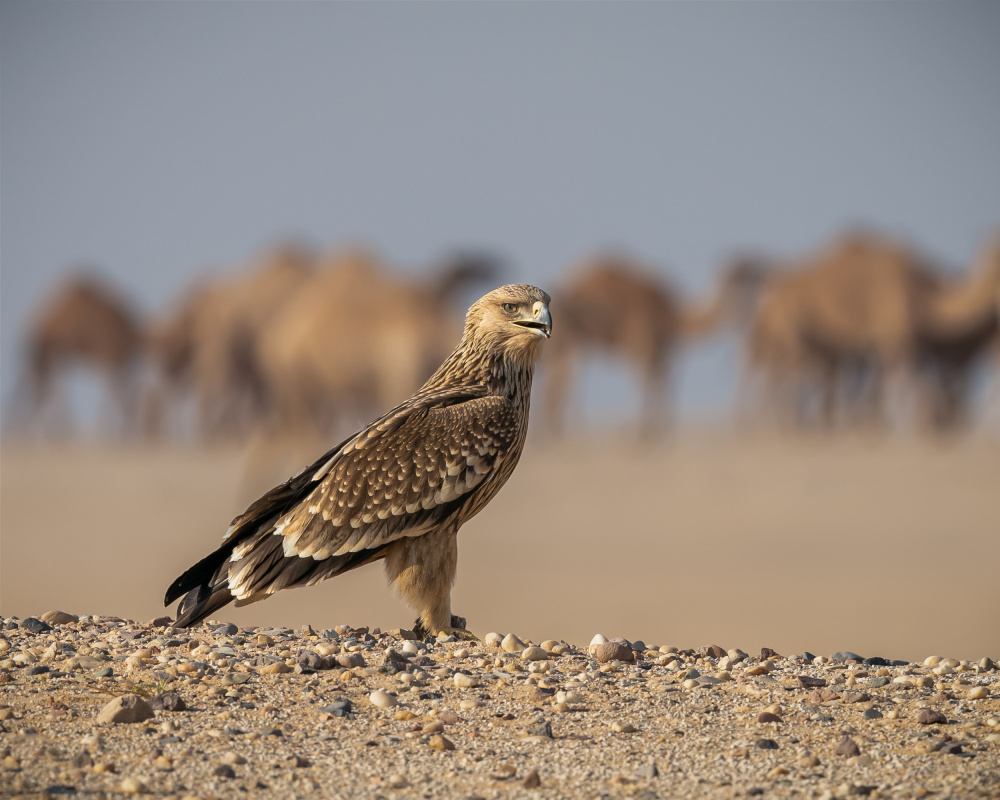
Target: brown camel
{"points": [[958, 323], [589, 320], [864, 310], [86, 323], [844, 314], [357, 337], [208, 344]]}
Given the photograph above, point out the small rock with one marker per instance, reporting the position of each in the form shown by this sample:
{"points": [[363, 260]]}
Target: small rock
{"points": [[532, 780], [809, 762], [872, 713], [235, 678], [511, 644], [59, 618], [845, 655], [350, 660], [598, 639], [493, 639], [338, 708], [623, 727], [848, 747], [439, 742], [534, 654], [133, 786], [463, 681], [810, 682], [382, 699], [612, 651], [929, 716], [33, 625], [126, 708], [168, 701], [978, 693], [951, 748], [224, 771], [767, 652], [647, 771], [767, 716], [232, 757], [766, 744], [715, 651], [160, 622]]}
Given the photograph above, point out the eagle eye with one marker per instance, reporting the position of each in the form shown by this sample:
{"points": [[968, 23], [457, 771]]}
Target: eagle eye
{"points": [[510, 308]]}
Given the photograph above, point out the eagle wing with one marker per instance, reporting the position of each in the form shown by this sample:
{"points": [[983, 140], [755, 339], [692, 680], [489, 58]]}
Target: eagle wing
{"points": [[403, 475]]}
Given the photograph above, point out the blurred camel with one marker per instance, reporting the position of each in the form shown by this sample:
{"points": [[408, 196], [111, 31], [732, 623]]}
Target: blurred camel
{"points": [[208, 343], [958, 323], [865, 310], [842, 318], [614, 305], [356, 337], [86, 323]]}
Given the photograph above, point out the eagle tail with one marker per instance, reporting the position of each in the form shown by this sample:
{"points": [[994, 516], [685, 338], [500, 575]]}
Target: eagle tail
{"points": [[201, 589]]}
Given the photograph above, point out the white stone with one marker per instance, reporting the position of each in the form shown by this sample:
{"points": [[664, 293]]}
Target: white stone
{"points": [[511, 644], [534, 654], [382, 699], [979, 693], [463, 681], [932, 661], [493, 639], [569, 697], [598, 639]]}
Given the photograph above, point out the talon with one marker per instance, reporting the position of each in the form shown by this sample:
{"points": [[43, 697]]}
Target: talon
{"points": [[459, 633]]}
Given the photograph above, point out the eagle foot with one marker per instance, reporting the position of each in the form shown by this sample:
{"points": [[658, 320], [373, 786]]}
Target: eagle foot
{"points": [[457, 629]]}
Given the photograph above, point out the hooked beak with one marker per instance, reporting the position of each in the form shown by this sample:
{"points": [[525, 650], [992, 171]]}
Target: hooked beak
{"points": [[541, 320]]}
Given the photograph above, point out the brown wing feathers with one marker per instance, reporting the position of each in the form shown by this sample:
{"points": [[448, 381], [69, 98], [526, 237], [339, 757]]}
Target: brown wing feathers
{"points": [[400, 476]]}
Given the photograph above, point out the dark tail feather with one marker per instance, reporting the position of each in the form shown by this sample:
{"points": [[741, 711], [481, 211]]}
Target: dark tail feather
{"points": [[202, 592], [199, 603]]}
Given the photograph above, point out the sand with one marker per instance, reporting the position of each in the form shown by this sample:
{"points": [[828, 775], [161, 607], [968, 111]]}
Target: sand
{"points": [[885, 547]]}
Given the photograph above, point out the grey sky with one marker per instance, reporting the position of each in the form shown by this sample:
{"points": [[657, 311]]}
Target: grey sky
{"points": [[156, 139]]}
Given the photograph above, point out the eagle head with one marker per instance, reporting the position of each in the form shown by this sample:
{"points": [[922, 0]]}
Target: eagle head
{"points": [[514, 318]]}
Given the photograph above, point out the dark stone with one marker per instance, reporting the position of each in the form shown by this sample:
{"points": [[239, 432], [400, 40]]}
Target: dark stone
{"points": [[429, 696], [819, 696], [541, 728], [809, 682], [107, 672], [224, 771], [755, 791], [311, 660], [226, 630], [864, 791], [845, 655], [767, 716], [59, 788], [878, 683], [766, 744], [131, 636], [350, 660], [928, 716], [872, 713], [271, 732], [875, 661], [338, 708], [898, 662], [160, 622], [767, 652], [39, 669], [33, 625], [265, 660], [951, 748], [808, 656], [613, 651], [396, 659], [168, 701], [848, 747], [715, 651], [532, 780]]}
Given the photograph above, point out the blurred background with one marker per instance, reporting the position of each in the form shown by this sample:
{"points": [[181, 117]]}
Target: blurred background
{"points": [[770, 410]]}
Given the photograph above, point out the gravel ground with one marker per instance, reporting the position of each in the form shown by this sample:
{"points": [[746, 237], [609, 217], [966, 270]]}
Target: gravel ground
{"points": [[100, 707]]}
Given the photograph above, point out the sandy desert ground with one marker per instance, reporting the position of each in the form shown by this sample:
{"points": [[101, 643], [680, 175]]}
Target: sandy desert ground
{"points": [[884, 547]]}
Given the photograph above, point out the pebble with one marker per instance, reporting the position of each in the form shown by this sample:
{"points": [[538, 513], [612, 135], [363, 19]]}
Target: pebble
{"points": [[463, 681], [439, 742], [493, 639], [843, 656], [978, 693], [534, 654], [611, 651], [872, 713], [59, 618], [511, 644], [382, 699], [848, 747], [126, 708], [133, 786], [930, 716], [766, 744], [767, 716], [623, 727]]}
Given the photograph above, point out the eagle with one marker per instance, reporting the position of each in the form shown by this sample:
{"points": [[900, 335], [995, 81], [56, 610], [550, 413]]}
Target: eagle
{"points": [[399, 489]]}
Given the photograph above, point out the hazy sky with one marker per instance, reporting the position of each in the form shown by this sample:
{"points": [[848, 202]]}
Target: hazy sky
{"points": [[155, 139]]}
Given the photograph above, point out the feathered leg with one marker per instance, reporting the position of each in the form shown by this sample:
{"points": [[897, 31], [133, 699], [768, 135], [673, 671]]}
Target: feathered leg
{"points": [[421, 569]]}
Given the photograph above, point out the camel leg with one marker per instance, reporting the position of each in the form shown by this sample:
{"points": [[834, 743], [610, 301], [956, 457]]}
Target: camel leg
{"points": [[421, 569]]}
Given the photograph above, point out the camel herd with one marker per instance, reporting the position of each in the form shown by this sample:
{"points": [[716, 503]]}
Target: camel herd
{"points": [[865, 330]]}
